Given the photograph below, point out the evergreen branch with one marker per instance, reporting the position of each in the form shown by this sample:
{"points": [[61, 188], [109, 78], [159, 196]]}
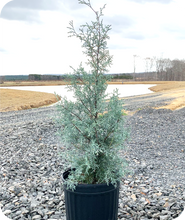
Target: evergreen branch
{"points": [[111, 131], [86, 84], [72, 113], [82, 101], [75, 125], [81, 132], [97, 135], [85, 107]]}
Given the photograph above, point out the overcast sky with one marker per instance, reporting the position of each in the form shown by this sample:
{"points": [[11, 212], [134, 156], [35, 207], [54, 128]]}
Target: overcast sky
{"points": [[34, 38]]}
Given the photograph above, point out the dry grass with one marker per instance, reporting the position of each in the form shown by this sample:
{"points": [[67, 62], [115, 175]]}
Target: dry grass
{"points": [[169, 85], [32, 83], [179, 98], [13, 100]]}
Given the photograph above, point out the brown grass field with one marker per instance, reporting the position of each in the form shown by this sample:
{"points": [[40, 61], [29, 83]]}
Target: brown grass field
{"points": [[13, 100]]}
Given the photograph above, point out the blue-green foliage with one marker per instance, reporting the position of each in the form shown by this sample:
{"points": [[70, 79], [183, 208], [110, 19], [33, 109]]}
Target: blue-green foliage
{"points": [[92, 126]]}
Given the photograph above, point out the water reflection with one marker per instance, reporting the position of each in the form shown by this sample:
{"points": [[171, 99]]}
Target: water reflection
{"points": [[124, 90]]}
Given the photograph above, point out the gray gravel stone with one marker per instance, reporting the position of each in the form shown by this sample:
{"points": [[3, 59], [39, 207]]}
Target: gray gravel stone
{"points": [[31, 169]]}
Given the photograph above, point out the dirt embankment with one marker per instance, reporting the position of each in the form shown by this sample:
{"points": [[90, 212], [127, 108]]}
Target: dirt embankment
{"points": [[174, 90], [177, 96], [13, 100], [166, 90]]}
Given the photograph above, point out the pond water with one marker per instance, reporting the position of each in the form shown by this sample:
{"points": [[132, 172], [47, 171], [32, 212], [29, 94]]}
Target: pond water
{"points": [[123, 90]]}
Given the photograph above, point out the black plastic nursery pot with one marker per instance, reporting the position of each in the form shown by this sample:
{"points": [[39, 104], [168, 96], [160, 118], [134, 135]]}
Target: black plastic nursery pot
{"points": [[91, 201]]}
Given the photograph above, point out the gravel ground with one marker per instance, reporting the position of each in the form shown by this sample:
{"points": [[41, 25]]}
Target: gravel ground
{"points": [[31, 168]]}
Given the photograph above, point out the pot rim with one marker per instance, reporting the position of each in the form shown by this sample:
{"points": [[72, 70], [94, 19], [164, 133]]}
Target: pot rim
{"points": [[87, 185]]}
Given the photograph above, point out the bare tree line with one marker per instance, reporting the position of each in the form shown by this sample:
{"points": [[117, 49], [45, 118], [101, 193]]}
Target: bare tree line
{"points": [[156, 69], [162, 69]]}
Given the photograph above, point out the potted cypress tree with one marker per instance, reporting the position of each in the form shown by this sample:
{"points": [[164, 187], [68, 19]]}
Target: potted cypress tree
{"points": [[92, 130]]}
